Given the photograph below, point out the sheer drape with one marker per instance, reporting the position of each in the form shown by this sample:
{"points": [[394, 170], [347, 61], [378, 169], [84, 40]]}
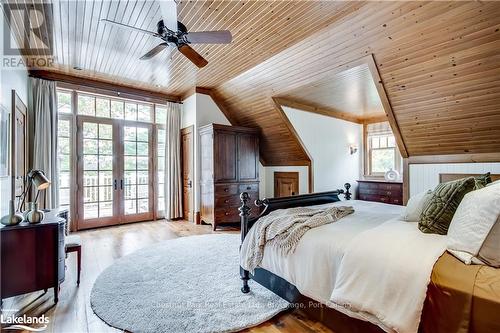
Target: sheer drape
{"points": [[43, 110], [173, 181]]}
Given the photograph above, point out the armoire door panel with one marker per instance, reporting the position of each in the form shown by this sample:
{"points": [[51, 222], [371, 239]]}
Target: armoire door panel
{"points": [[225, 163], [248, 167]]}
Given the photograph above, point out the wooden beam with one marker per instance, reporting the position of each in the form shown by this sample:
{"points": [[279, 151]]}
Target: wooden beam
{"points": [[455, 158], [98, 86], [379, 84], [375, 119], [319, 110]]}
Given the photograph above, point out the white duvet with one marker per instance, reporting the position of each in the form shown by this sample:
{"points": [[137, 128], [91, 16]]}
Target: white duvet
{"points": [[348, 263]]}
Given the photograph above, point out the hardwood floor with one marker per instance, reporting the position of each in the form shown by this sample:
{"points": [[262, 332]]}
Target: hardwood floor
{"points": [[100, 248]]}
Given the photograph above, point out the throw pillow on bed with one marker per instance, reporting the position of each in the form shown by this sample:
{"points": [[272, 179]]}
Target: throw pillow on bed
{"points": [[490, 250], [482, 180], [473, 222], [439, 210], [415, 206]]}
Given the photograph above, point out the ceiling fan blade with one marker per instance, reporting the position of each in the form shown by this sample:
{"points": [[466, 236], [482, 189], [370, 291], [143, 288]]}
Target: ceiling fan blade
{"points": [[125, 26], [168, 10], [154, 51], [210, 37], [192, 55]]}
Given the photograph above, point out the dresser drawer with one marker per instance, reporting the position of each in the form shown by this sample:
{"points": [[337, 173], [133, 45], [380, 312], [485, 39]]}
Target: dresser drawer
{"points": [[248, 188], [234, 200], [380, 191], [226, 189], [232, 214], [381, 198]]}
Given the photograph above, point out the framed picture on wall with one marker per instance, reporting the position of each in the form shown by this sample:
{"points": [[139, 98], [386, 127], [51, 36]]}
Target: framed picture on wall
{"points": [[4, 141]]}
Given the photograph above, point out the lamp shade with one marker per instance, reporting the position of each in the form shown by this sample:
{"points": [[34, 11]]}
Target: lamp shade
{"points": [[40, 181]]}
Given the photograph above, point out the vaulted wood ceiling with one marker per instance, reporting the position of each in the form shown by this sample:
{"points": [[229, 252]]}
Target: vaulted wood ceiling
{"points": [[260, 30], [439, 62], [350, 95]]}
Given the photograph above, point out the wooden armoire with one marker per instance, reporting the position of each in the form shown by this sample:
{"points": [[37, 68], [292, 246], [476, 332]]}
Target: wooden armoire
{"points": [[229, 166]]}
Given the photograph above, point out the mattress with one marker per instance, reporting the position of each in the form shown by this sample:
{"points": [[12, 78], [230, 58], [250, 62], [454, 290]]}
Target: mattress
{"points": [[313, 266]]}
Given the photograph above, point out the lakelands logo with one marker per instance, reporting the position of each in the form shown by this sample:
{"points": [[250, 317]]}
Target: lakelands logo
{"points": [[24, 323], [27, 35]]}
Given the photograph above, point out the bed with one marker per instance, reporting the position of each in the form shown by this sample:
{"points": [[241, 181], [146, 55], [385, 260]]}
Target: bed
{"points": [[460, 298]]}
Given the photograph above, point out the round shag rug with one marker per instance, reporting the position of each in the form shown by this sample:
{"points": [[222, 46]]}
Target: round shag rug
{"points": [[189, 284]]}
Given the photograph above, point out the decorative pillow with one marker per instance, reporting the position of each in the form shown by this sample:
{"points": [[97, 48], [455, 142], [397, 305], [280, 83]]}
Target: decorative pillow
{"points": [[472, 222], [483, 180], [415, 206], [490, 251], [439, 210]]}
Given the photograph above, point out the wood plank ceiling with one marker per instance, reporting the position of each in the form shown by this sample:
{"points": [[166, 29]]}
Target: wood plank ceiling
{"points": [[439, 62], [351, 92], [260, 30]]}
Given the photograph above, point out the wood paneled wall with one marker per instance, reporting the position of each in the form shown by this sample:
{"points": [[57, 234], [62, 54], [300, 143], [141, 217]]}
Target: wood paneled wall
{"points": [[439, 62]]}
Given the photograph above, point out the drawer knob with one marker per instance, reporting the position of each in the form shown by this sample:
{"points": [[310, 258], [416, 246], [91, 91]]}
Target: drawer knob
{"points": [[249, 188], [226, 190], [226, 213], [226, 201]]}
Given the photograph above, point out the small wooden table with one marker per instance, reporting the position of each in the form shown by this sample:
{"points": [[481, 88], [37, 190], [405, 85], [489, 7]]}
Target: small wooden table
{"points": [[32, 257]]}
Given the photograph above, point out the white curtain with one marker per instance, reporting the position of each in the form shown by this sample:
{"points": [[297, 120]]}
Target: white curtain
{"points": [[43, 111], [173, 181]]}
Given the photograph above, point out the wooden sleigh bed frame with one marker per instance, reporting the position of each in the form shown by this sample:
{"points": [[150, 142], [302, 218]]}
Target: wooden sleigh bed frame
{"points": [[314, 309], [452, 302]]}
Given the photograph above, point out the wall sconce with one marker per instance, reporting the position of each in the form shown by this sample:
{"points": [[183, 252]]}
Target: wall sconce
{"points": [[353, 149]]}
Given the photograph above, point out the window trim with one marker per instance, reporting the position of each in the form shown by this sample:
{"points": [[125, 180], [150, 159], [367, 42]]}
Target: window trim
{"points": [[367, 158]]}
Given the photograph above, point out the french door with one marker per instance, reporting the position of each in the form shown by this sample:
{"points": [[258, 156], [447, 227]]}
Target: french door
{"points": [[114, 173]]}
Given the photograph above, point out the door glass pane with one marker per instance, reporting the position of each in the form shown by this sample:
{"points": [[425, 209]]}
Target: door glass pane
{"points": [[130, 111], [136, 166], [97, 170]]}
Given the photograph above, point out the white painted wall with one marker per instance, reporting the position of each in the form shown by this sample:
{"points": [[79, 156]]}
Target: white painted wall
{"points": [[17, 79], [426, 176], [328, 139]]}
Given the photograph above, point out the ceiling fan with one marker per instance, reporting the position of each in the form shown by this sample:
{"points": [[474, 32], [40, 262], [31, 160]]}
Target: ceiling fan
{"points": [[175, 34]]}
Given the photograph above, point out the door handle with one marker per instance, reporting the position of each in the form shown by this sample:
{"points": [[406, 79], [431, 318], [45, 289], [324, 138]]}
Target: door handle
{"points": [[121, 184], [115, 185], [190, 183]]}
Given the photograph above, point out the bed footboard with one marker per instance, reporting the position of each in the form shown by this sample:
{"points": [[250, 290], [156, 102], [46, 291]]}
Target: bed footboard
{"points": [[280, 203]]}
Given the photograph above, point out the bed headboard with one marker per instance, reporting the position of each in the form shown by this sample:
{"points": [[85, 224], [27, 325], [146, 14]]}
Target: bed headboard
{"points": [[446, 177]]}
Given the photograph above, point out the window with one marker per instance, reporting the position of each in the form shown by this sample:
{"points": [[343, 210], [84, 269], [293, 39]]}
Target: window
{"points": [[98, 151], [106, 107], [64, 130], [381, 151], [161, 171]]}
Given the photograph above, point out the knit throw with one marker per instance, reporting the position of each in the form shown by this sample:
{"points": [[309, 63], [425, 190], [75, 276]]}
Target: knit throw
{"points": [[283, 229]]}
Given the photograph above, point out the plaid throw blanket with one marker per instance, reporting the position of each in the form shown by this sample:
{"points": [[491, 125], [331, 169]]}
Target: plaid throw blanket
{"points": [[283, 228]]}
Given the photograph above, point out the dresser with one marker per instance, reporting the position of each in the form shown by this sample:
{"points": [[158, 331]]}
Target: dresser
{"points": [[229, 165], [32, 257], [381, 191]]}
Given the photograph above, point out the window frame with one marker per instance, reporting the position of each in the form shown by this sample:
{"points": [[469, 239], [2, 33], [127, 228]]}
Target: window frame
{"points": [[368, 156]]}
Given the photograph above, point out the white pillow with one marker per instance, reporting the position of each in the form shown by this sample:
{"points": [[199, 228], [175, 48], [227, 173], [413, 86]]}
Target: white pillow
{"points": [[415, 206], [472, 222], [496, 182]]}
